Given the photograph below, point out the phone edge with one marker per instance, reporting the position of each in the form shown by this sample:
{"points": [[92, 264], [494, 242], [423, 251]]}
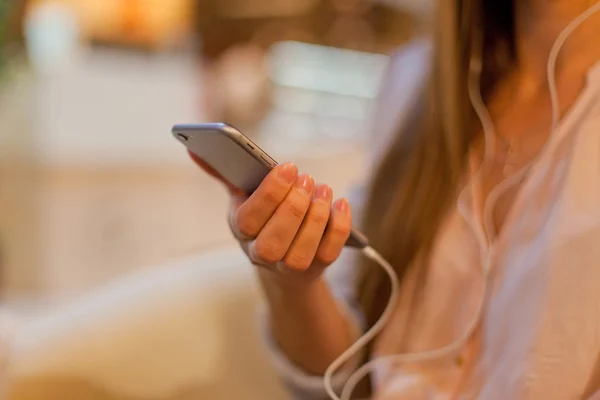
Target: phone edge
{"points": [[232, 133]]}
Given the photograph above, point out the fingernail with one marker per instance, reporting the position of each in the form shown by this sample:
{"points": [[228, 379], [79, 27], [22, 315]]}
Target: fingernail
{"points": [[323, 192], [305, 183], [342, 206], [288, 172]]}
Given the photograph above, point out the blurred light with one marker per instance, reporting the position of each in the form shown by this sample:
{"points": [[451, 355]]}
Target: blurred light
{"points": [[319, 104], [326, 69], [52, 37]]}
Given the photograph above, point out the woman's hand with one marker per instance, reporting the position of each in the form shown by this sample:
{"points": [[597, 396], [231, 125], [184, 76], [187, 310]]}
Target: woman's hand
{"points": [[292, 230], [289, 226]]}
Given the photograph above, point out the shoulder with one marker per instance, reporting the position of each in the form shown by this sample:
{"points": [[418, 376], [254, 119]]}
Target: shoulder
{"points": [[403, 82]]}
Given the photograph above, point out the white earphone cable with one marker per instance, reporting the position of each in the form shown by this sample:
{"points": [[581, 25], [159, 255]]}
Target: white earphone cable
{"points": [[453, 347], [488, 127], [375, 329]]}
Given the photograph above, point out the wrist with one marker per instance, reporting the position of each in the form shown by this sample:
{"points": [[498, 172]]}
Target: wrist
{"points": [[282, 289], [293, 282]]}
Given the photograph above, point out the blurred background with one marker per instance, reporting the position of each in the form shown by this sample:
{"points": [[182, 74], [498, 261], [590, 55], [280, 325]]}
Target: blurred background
{"points": [[92, 186]]}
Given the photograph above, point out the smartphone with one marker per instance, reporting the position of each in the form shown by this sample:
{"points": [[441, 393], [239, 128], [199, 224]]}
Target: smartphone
{"points": [[235, 157]]}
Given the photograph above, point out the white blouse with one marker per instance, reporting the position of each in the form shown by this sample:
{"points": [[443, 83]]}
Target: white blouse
{"points": [[539, 333]]}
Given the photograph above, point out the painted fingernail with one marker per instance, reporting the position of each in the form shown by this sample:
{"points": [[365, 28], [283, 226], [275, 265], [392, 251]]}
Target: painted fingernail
{"points": [[342, 206], [305, 183], [323, 192], [287, 172]]}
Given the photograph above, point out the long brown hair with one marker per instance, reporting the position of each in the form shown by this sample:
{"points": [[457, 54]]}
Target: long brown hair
{"points": [[419, 178]]}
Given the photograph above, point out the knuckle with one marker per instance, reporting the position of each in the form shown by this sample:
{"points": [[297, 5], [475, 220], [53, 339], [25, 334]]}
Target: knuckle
{"points": [[296, 209], [271, 196], [341, 229], [329, 255], [245, 226], [298, 260], [268, 251], [319, 217]]}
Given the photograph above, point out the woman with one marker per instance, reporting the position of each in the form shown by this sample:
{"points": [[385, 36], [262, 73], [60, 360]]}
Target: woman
{"points": [[500, 214]]}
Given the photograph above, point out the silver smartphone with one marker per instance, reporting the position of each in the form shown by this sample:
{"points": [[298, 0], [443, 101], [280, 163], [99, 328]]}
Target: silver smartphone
{"points": [[236, 158]]}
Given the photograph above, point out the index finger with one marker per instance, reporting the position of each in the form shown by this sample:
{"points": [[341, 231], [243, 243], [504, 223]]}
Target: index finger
{"points": [[254, 213]]}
